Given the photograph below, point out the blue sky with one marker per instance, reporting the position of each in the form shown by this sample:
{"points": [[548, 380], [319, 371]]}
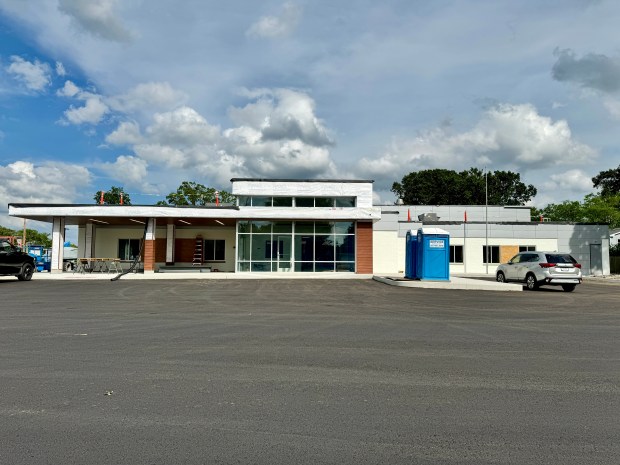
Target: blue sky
{"points": [[146, 94]]}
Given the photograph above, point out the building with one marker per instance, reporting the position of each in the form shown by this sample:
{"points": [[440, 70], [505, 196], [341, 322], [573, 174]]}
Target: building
{"points": [[307, 226]]}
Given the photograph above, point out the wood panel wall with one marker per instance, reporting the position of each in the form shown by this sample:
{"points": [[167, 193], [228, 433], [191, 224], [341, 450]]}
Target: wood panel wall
{"points": [[363, 255]]}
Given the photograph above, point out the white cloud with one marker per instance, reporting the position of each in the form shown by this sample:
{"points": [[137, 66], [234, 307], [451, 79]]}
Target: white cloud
{"points": [[127, 133], [182, 127], [574, 180], [283, 114], [131, 171], [34, 75], [68, 90], [511, 137], [48, 182], [92, 112], [98, 18], [277, 26], [60, 69], [149, 96]]}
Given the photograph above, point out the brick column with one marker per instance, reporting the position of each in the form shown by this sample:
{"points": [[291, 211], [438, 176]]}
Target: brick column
{"points": [[149, 247]]}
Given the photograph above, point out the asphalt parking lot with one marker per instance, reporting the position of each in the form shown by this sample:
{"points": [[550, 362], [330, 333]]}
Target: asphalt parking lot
{"points": [[292, 371]]}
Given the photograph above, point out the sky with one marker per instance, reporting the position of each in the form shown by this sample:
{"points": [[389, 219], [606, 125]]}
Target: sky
{"points": [[146, 94]]}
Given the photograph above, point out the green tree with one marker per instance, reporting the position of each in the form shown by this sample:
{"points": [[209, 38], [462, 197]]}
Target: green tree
{"points": [[192, 193], [595, 208], [448, 187], [608, 181], [32, 236], [113, 196]]}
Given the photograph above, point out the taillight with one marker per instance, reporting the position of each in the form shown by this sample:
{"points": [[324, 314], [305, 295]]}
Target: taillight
{"points": [[547, 265], [577, 265]]}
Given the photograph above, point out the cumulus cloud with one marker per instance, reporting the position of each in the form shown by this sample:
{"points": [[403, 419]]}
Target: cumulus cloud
{"points": [[130, 170], [149, 96], [34, 75], [574, 180], [511, 137], [48, 182], [593, 71], [92, 112], [283, 114], [277, 26], [127, 133], [97, 18], [68, 90], [277, 134]]}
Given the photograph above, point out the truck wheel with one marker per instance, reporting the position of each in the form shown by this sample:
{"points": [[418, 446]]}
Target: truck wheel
{"points": [[26, 274]]}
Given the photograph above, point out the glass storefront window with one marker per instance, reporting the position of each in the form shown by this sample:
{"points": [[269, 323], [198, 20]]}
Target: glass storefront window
{"points": [[283, 201], [346, 202], [261, 201], [283, 227], [304, 201], [245, 200], [324, 202], [261, 227], [344, 227], [305, 246]]}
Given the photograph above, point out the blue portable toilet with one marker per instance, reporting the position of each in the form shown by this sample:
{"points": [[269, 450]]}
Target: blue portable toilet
{"points": [[433, 254], [411, 255]]}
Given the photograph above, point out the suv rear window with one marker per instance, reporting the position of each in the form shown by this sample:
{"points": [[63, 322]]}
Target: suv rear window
{"points": [[559, 258]]}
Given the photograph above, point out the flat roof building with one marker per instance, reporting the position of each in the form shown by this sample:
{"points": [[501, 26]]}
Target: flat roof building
{"points": [[307, 226]]}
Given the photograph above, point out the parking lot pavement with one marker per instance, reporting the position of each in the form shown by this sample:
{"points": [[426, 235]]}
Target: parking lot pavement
{"points": [[319, 371]]}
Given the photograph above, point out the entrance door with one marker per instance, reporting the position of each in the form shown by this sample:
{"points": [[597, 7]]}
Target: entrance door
{"points": [[283, 253], [596, 260]]}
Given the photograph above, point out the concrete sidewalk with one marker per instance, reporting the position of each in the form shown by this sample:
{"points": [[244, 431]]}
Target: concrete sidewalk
{"points": [[455, 282]]}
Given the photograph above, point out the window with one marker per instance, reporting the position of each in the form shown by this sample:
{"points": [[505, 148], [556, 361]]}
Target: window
{"points": [[456, 254], [527, 248], [215, 250], [128, 249], [493, 254], [283, 201]]}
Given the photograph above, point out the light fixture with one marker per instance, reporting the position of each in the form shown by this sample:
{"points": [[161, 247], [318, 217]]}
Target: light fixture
{"points": [[136, 221], [98, 221], [218, 221], [183, 221]]}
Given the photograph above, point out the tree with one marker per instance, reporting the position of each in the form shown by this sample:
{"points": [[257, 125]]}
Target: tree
{"points": [[593, 209], [113, 196], [608, 181], [192, 193], [32, 236], [447, 187]]}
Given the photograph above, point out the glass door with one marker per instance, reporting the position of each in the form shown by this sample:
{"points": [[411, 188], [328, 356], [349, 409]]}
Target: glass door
{"points": [[283, 252]]}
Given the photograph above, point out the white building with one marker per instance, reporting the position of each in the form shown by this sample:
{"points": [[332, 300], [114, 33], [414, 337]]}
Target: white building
{"points": [[307, 226]]}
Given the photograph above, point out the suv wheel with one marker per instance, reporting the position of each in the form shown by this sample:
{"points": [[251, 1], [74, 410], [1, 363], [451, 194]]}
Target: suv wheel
{"points": [[569, 287], [500, 278], [530, 282], [26, 274]]}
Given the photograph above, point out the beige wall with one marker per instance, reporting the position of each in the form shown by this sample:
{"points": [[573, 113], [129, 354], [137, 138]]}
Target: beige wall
{"points": [[106, 241], [389, 252]]}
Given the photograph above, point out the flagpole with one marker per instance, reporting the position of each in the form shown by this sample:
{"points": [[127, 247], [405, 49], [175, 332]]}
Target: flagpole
{"points": [[486, 216]]}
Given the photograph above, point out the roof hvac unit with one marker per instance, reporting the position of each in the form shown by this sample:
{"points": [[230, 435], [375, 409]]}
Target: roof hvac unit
{"points": [[426, 217]]}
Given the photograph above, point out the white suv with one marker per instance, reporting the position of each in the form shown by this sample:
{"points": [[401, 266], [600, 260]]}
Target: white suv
{"points": [[541, 268]]}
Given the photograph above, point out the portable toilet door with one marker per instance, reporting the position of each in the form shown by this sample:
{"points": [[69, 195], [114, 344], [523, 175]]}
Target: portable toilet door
{"points": [[433, 254], [411, 255]]}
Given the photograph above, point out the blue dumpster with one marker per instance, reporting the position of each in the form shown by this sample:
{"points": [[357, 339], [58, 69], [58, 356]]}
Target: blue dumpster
{"points": [[411, 255], [433, 254]]}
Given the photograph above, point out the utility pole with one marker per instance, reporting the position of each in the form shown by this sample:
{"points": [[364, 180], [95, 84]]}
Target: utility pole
{"points": [[24, 236]]}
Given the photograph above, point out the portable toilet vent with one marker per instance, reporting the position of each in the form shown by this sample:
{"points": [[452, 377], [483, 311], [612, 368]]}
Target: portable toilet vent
{"points": [[433, 254]]}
